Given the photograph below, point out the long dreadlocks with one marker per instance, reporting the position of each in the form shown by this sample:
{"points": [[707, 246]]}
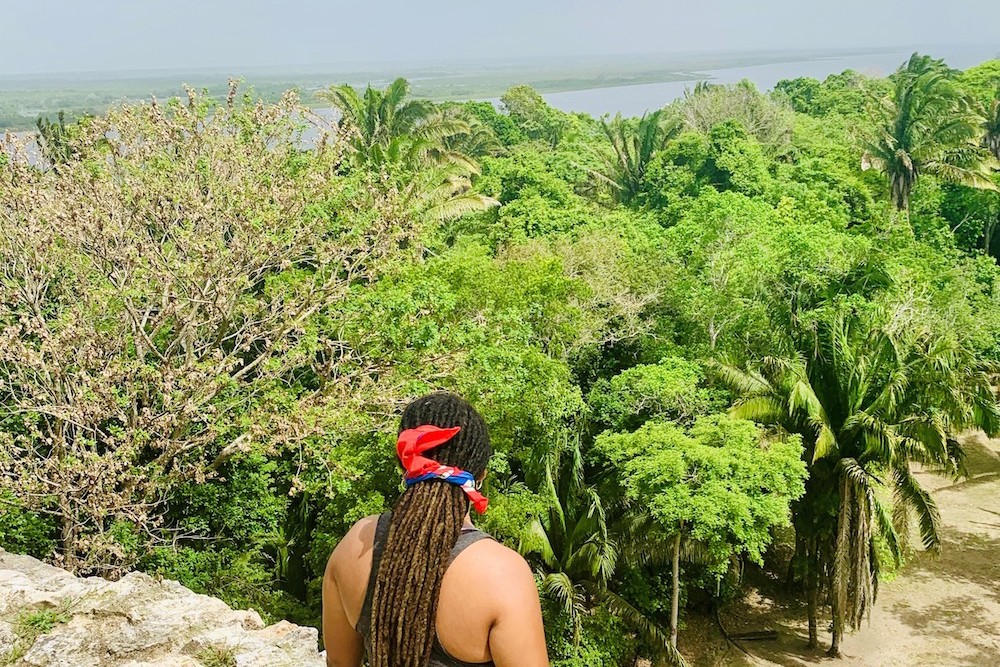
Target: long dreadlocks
{"points": [[425, 525]]}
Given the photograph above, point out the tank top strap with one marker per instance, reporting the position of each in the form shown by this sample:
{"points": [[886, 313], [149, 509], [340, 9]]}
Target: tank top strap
{"points": [[378, 546], [466, 539]]}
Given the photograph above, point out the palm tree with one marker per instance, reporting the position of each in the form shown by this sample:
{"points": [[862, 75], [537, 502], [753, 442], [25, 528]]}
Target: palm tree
{"points": [[927, 125], [438, 188], [634, 142], [376, 118], [577, 548], [477, 140], [409, 145], [991, 141], [869, 396], [991, 127]]}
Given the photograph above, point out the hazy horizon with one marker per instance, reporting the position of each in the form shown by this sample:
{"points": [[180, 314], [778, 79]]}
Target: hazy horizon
{"points": [[117, 36], [348, 66]]}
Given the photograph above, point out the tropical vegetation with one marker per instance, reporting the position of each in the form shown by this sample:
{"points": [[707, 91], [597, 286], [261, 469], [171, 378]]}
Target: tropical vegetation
{"points": [[711, 343]]}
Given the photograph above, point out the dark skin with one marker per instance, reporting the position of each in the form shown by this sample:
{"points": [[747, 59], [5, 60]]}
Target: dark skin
{"points": [[488, 608]]}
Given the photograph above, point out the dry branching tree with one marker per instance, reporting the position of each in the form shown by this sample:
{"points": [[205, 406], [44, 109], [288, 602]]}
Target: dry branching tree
{"points": [[157, 291]]}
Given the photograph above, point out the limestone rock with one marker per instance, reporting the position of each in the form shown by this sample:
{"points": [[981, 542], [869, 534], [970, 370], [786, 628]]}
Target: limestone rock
{"points": [[135, 622]]}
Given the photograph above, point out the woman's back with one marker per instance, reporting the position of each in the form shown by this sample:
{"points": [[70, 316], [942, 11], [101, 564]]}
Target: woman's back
{"points": [[488, 611]]}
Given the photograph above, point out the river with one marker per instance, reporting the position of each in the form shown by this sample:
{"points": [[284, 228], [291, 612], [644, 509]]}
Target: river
{"points": [[638, 99]]}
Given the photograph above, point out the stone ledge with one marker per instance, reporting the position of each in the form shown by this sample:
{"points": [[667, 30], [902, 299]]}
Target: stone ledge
{"points": [[136, 622]]}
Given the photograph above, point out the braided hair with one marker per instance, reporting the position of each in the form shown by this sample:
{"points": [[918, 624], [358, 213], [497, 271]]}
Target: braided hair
{"points": [[425, 525]]}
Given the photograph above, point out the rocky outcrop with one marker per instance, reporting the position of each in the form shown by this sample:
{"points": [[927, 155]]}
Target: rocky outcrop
{"points": [[49, 618]]}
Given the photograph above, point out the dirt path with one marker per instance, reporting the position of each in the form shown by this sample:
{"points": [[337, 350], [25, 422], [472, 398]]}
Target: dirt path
{"points": [[941, 611]]}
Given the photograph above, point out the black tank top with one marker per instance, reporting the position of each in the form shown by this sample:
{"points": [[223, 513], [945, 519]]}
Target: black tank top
{"points": [[439, 657]]}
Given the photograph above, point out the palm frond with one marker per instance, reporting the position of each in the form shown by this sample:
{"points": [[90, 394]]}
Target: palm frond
{"points": [[743, 382], [459, 205], [537, 542], [762, 409], [653, 633], [826, 444], [560, 588], [909, 491]]}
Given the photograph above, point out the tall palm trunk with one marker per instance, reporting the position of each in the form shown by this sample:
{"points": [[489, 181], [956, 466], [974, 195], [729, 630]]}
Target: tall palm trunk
{"points": [[834, 650], [812, 590], [812, 598], [990, 228], [795, 563], [901, 186], [838, 624], [675, 596]]}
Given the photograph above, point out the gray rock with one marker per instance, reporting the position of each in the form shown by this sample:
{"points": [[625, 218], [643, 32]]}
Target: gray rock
{"points": [[137, 622]]}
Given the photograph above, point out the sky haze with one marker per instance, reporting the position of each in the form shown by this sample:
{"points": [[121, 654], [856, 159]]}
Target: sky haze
{"points": [[49, 36]]}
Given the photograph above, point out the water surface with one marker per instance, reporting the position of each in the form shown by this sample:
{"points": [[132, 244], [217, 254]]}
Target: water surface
{"points": [[638, 99]]}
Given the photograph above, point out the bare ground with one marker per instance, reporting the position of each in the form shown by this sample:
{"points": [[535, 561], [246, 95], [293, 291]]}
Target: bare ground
{"points": [[941, 611]]}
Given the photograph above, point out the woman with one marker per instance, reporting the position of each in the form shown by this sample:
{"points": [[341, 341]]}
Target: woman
{"points": [[420, 586]]}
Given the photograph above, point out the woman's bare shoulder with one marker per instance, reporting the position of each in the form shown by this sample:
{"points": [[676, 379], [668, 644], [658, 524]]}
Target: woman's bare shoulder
{"points": [[356, 543], [502, 574], [497, 561]]}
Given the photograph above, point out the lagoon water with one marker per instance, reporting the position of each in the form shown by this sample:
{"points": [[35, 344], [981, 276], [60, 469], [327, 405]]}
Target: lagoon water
{"points": [[637, 99]]}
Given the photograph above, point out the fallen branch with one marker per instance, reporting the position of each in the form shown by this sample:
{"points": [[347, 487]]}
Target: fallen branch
{"points": [[759, 635], [725, 633]]}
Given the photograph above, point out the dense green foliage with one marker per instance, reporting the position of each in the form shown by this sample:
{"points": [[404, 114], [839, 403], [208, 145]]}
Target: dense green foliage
{"points": [[685, 331]]}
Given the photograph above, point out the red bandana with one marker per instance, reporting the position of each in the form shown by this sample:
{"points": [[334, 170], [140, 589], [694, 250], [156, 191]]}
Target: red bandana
{"points": [[415, 441]]}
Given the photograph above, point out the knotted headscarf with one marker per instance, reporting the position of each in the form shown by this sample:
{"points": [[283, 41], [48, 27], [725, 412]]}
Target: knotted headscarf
{"points": [[410, 446]]}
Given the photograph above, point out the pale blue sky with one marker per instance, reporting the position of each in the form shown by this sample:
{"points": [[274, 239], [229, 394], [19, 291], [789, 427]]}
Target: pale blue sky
{"points": [[103, 35]]}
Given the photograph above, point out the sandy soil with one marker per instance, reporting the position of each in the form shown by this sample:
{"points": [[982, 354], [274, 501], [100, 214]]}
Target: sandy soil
{"points": [[942, 611]]}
